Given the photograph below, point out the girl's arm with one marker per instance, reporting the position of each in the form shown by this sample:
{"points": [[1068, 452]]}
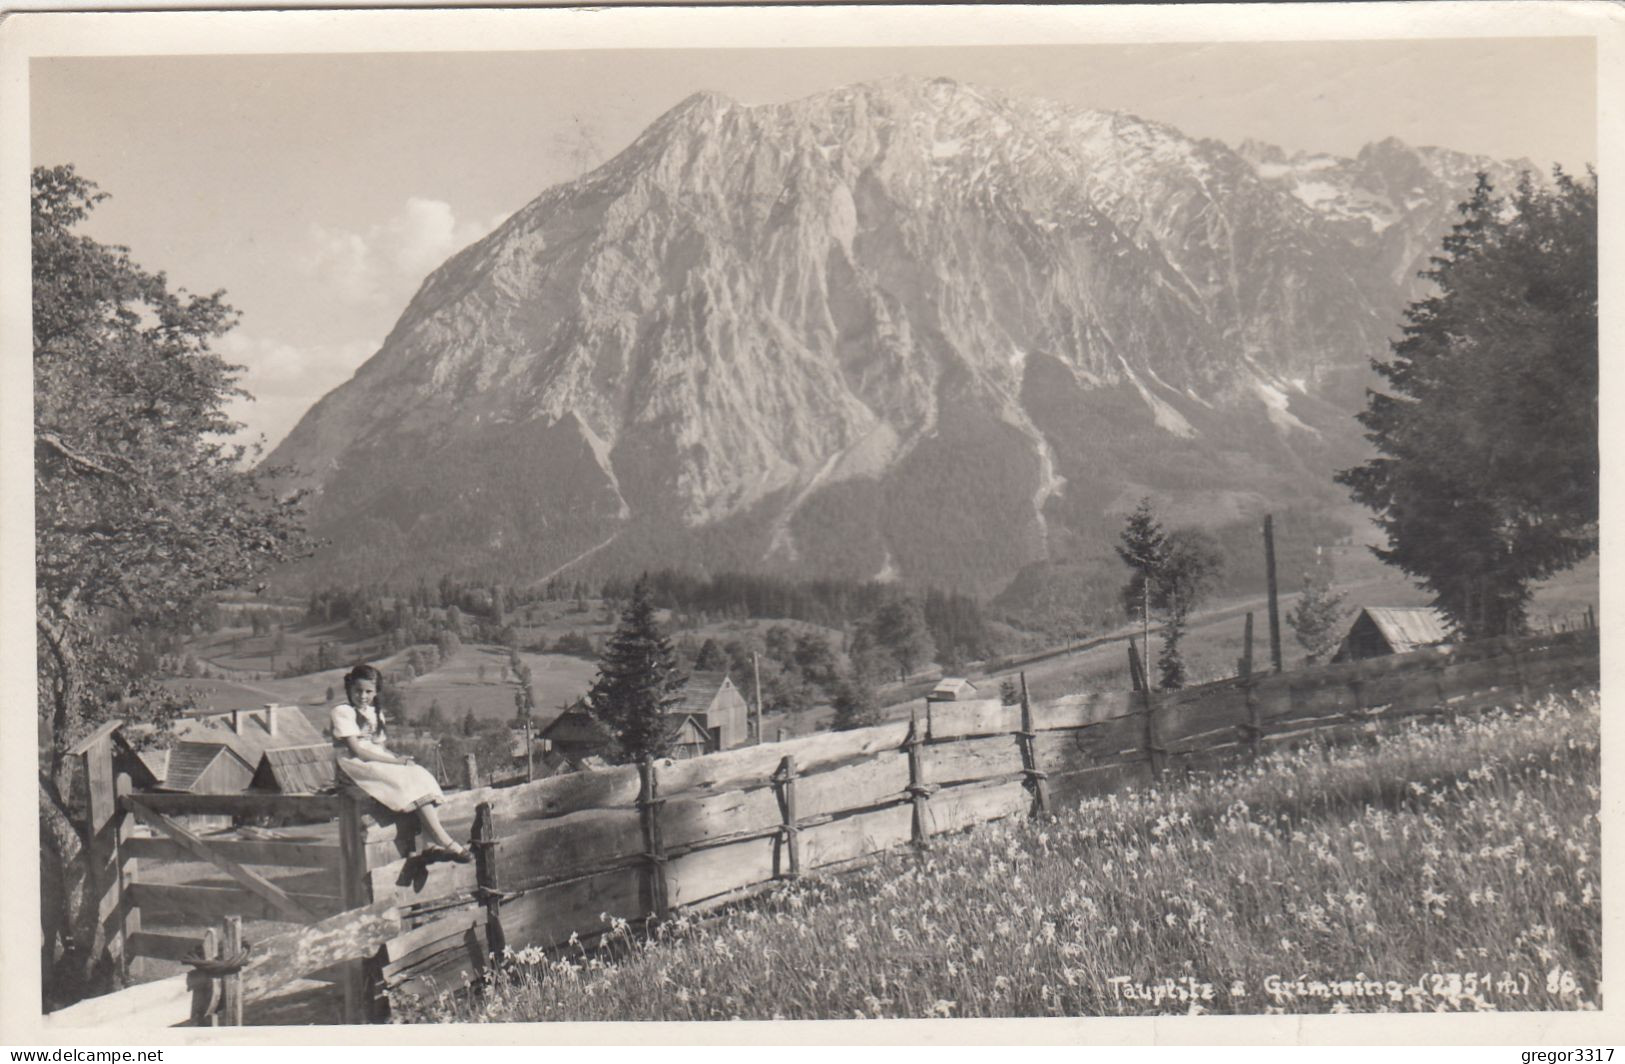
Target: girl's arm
{"points": [[362, 750]]}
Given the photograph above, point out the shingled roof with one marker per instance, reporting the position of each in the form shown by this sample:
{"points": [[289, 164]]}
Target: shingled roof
{"points": [[576, 726], [702, 690], [297, 769], [1407, 628], [293, 728], [189, 760]]}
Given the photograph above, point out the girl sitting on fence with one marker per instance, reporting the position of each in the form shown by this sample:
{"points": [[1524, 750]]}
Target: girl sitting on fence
{"points": [[392, 779]]}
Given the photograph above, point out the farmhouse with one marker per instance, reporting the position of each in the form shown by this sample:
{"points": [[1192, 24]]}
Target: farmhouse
{"points": [[1382, 630], [576, 734]]}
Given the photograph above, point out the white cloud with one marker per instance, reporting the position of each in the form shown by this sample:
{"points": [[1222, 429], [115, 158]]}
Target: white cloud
{"points": [[389, 260], [285, 379]]}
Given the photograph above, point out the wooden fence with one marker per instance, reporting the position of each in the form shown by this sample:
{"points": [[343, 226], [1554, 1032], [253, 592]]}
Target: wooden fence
{"points": [[555, 857]]}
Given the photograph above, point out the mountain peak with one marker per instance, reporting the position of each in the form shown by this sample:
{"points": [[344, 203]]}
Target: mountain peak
{"points": [[900, 326]]}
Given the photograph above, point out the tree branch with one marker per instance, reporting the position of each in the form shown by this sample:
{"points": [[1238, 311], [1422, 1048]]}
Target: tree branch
{"points": [[79, 461]]}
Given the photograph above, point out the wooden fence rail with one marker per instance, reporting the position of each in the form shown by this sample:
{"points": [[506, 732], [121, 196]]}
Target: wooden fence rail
{"points": [[560, 855]]}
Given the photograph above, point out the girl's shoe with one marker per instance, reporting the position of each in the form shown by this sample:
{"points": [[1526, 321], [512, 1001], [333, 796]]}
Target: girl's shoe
{"points": [[454, 852]]}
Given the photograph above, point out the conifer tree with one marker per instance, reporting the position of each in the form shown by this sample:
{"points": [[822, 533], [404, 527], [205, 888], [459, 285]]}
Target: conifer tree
{"points": [[638, 683], [1487, 470], [1143, 546], [1317, 618]]}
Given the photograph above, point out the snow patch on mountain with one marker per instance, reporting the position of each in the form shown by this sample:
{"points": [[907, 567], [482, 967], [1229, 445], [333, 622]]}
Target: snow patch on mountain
{"points": [[1167, 418]]}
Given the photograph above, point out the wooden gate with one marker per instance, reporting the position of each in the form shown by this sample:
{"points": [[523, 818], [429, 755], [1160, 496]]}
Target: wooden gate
{"points": [[162, 884]]}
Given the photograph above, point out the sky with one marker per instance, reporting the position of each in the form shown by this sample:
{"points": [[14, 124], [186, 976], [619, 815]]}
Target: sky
{"points": [[319, 190]]}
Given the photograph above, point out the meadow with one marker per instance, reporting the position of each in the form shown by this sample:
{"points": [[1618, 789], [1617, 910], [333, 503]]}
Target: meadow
{"points": [[1450, 864]]}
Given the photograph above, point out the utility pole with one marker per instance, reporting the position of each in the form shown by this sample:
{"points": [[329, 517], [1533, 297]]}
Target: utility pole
{"points": [[756, 669], [1275, 605], [530, 760]]}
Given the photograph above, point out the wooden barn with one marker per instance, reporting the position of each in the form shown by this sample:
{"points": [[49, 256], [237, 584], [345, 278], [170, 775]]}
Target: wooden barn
{"points": [[719, 707], [1382, 630]]}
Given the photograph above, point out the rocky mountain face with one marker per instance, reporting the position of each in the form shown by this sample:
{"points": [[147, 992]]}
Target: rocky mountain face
{"points": [[906, 329]]}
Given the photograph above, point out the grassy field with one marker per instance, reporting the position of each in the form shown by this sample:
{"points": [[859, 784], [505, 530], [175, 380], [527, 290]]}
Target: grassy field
{"points": [[1450, 865]]}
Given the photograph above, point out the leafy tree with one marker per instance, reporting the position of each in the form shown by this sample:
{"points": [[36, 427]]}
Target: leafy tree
{"points": [[638, 683], [471, 723], [817, 661], [1190, 568], [141, 511], [784, 690], [1317, 618], [855, 705], [898, 630], [1487, 469]]}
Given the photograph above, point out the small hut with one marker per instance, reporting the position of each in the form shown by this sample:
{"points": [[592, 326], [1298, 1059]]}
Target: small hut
{"points": [[1382, 630], [952, 689], [717, 708]]}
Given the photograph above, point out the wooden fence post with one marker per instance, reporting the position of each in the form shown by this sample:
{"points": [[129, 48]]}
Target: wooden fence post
{"points": [[472, 768], [789, 841], [1037, 780], [654, 853], [1246, 663], [485, 875], [231, 985], [104, 824], [1253, 727], [356, 893], [129, 867], [205, 987], [918, 790], [1274, 600], [1153, 742]]}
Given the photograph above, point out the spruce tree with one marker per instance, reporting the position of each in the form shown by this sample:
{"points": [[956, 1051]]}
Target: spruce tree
{"points": [[1143, 546], [638, 683], [1317, 618], [1487, 470]]}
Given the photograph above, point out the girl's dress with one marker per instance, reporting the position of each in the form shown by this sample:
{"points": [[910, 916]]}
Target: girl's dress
{"points": [[401, 788]]}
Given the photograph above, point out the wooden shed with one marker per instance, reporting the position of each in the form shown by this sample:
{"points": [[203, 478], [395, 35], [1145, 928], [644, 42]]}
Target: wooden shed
{"points": [[1382, 630], [720, 708], [952, 689]]}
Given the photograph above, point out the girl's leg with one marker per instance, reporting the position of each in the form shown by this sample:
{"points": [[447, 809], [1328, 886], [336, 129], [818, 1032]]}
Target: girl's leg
{"points": [[430, 816]]}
